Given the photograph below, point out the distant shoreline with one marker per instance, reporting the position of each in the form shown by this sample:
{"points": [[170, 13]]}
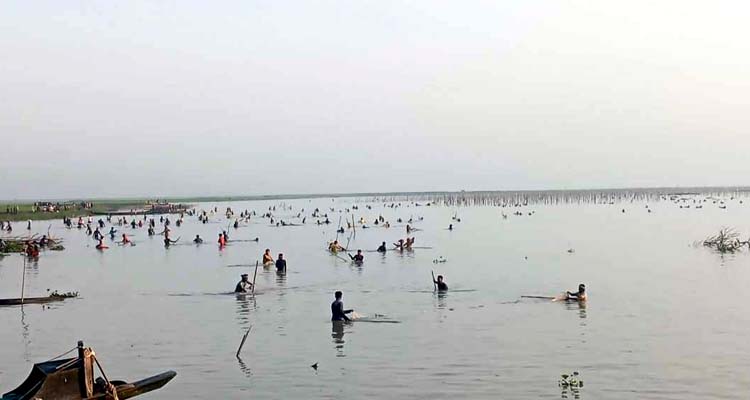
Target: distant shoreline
{"points": [[125, 206], [39, 209], [127, 201]]}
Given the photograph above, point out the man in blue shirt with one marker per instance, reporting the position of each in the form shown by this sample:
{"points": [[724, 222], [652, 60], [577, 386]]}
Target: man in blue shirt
{"points": [[337, 309]]}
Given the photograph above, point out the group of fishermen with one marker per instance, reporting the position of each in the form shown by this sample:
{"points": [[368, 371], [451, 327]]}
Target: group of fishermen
{"points": [[401, 245], [339, 313], [245, 286]]}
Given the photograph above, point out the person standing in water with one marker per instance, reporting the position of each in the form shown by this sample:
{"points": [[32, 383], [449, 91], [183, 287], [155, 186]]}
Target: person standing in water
{"points": [[441, 285], [359, 258], [281, 263], [400, 244], [244, 285], [382, 248], [580, 295], [267, 257], [337, 308], [335, 247]]}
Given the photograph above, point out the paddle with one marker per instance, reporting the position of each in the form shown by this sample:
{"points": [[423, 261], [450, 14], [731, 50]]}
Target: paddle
{"points": [[434, 282]]}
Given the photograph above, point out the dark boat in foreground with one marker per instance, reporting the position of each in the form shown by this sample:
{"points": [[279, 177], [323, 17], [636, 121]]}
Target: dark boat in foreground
{"points": [[73, 379], [38, 300], [30, 300]]}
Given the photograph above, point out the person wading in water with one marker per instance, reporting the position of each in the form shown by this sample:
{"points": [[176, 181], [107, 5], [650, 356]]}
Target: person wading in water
{"points": [[337, 308]]}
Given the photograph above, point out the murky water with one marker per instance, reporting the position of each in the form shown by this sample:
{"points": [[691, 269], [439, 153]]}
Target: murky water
{"points": [[665, 320]]}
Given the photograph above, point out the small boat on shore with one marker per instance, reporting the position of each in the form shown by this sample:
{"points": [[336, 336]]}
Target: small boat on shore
{"points": [[73, 379]]}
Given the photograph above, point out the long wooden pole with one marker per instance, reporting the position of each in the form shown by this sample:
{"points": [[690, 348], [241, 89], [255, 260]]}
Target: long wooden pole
{"points": [[339, 227], [434, 282], [242, 343], [255, 275], [23, 277]]}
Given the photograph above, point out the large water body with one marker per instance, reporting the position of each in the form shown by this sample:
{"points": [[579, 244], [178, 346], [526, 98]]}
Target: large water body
{"points": [[665, 319]]}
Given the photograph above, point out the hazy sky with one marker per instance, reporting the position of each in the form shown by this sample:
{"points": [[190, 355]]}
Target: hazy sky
{"points": [[261, 97]]}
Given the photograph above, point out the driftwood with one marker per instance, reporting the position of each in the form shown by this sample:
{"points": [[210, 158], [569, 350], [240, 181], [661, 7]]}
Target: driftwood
{"points": [[726, 241]]}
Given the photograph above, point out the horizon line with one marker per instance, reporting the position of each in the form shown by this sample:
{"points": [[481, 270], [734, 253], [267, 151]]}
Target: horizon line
{"points": [[287, 196]]}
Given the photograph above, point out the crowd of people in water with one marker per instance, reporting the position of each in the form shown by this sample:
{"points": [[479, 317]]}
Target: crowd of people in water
{"points": [[96, 230]]}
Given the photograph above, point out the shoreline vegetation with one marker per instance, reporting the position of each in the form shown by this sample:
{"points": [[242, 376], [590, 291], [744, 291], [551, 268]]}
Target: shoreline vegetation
{"points": [[125, 206], [46, 210]]}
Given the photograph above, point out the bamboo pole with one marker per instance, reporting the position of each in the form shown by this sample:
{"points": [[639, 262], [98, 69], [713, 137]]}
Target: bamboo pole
{"points": [[23, 277], [242, 343], [254, 276]]}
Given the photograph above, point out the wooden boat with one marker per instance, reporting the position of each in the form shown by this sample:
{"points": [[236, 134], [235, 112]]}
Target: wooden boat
{"points": [[30, 300], [37, 300], [73, 379]]}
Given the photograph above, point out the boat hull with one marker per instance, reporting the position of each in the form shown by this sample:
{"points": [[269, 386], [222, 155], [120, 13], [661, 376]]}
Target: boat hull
{"points": [[30, 300]]}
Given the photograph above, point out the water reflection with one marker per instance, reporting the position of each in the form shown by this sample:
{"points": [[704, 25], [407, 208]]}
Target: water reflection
{"points": [[280, 278], [441, 297], [567, 392], [245, 303], [579, 306], [25, 333], [357, 266], [244, 368], [337, 333]]}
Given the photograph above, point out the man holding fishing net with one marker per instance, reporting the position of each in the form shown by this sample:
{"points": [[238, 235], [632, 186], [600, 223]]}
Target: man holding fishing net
{"points": [[337, 309], [580, 295]]}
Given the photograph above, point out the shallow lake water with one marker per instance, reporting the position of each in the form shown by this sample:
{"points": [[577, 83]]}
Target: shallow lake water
{"points": [[665, 319]]}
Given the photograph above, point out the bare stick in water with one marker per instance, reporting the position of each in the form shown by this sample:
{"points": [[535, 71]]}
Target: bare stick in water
{"points": [[23, 277], [242, 343], [337, 229], [254, 276]]}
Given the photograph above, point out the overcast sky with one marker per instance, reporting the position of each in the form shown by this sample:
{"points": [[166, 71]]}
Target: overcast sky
{"points": [[264, 97]]}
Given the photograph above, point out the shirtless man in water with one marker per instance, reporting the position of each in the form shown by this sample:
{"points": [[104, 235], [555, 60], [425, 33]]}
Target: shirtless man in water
{"points": [[335, 247], [580, 295], [267, 257]]}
